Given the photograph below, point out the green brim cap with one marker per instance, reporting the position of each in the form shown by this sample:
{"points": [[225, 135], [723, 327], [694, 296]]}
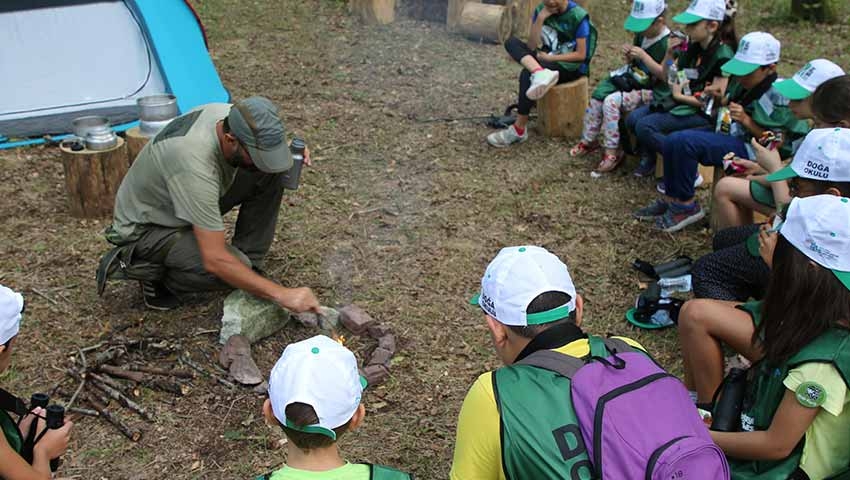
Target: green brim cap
{"points": [[783, 174], [474, 299], [637, 25], [844, 277], [271, 160], [791, 89], [739, 68], [687, 18]]}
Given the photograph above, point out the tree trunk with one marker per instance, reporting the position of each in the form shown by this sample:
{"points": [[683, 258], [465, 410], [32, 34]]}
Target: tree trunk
{"points": [[135, 143], [486, 22], [92, 179], [374, 11]]}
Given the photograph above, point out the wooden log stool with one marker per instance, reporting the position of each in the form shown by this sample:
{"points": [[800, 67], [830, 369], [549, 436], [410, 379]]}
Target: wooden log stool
{"points": [[480, 21], [560, 113], [374, 11], [135, 143], [92, 178], [455, 8]]}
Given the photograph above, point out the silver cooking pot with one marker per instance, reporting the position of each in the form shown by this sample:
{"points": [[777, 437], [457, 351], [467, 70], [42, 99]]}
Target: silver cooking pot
{"points": [[157, 108], [82, 125]]}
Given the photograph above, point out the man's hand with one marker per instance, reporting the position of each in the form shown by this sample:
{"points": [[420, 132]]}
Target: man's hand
{"points": [[768, 159], [307, 159], [298, 300]]}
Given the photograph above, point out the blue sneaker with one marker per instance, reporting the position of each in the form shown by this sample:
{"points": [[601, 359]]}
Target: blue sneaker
{"points": [[646, 167], [649, 212], [679, 216]]}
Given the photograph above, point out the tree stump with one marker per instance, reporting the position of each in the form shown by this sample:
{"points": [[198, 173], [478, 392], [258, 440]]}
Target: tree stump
{"points": [[480, 21], [135, 143], [454, 11], [523, 10], [374, 11], [560, 112], [92, 179]]}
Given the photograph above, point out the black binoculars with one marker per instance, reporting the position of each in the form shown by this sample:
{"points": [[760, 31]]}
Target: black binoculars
{"points": [[55, 418], [726, 415]]}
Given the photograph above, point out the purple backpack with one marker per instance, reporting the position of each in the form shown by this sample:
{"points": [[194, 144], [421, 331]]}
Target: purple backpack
{"points": [[637, 420]]}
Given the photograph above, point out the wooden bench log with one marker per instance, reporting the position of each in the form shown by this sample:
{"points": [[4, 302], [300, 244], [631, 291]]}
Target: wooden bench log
{"points": [[135, 143], [560, 113], [479, 21], [92, 179], [374, 11]]}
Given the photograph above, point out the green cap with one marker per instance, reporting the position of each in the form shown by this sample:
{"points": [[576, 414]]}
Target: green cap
{"points": [[783, 174], [255, 122], [791, 90]]}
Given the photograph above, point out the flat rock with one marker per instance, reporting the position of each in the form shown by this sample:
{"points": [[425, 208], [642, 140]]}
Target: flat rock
{"points": [[381, 356], [262, 389], [308, 319], [236, 357], [328, 318], [378, 330], [387, 342], [251, 317], [355, 319], [376, 374], [235, 346]]}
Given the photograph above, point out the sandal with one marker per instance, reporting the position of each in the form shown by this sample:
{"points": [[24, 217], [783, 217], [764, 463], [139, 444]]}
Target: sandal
{"points": [[609, 163], [582, 148]]}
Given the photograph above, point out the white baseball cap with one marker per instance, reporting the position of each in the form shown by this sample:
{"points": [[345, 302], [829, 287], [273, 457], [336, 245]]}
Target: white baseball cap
{"points": [[819, 227], [11, 308], [808, 79], [700, 10], [517, 276], [644, 12], [824, 156], [755, 50], [321, 373]]}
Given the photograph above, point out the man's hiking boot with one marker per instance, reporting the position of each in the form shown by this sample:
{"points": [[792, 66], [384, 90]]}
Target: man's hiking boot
{"points": [[157, 297], [541, 82]]}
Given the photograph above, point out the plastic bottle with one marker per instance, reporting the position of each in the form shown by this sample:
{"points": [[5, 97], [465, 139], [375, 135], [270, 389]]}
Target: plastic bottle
{"points": [[672, 72]]}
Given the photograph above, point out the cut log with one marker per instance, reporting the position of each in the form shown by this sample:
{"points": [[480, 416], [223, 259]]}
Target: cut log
{"points": [[522, 11], [92, 179], [480, 21], [374, 11], [560, 112], [453, 12], [135, 143]]}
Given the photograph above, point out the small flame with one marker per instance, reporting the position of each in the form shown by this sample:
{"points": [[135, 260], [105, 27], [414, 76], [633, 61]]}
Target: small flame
{"points": [[340, 339]]}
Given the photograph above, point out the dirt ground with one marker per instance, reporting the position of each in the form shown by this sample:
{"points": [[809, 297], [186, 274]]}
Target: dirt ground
{"points": [[398, 215]]}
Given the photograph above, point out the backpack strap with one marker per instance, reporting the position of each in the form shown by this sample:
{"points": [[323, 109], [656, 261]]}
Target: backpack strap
{"points": [[11, 403], [381, 472], [618, 345], [557, 362]]}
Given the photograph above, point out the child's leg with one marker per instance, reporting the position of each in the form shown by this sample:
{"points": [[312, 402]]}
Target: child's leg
{"points": [[684, 149], [703, 325], [519, 51], [653, 129], [734, 202], [592, 121], [730, 273], [616, 104]]}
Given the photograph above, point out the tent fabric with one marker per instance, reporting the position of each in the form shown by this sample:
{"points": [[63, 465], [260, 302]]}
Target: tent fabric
{"points": [[65, 59]]}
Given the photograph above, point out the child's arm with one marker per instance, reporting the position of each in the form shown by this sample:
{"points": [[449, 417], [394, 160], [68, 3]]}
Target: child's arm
{"points": [[778, 441], [680, 97], [537, 28], [738, 114], [575, 57], [772, 162], [13, 467], [655, 69]]}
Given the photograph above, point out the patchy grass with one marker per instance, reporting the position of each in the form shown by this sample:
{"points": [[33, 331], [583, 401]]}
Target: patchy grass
{"points": [[354, 93]]}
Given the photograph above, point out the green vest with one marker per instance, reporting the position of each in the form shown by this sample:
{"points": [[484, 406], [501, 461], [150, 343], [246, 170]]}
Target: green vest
{"points": [[566, 25], [377, 472], [10, 431], [708, 66], [657, 51], [765, 392], [534, 406]]}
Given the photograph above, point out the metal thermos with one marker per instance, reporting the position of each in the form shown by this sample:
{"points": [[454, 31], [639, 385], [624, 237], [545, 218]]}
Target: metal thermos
{"points": [[293, 176], [726, 416], [55, 421]]}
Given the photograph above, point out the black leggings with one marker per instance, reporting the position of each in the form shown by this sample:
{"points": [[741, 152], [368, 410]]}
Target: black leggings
{"points": [[517, 49]]}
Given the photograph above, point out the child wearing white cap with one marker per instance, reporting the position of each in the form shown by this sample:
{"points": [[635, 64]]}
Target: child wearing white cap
{"points": [[710, 28], [796, 409], [629, 87], [754, 109], [315, 392], [54, 442], [530, 303]]}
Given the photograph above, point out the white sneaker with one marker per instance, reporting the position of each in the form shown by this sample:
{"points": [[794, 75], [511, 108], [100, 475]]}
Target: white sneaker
{"points": [[507, 137], [663, 191], [541, 82]]}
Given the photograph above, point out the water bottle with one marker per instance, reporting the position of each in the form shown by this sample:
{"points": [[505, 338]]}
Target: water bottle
{"points": [[726, 416], [672, 72], [292, 176], [55, 421]]}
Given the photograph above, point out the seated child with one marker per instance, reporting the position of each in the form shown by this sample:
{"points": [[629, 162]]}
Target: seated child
{"points": [[795, 417], [54, 442], [314, 396], [753, 109], [559, 49], [628, 88], [710, 26]]}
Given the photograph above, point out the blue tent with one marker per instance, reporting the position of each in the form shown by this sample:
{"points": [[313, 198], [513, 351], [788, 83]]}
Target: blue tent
{"points": [[62, 59]]}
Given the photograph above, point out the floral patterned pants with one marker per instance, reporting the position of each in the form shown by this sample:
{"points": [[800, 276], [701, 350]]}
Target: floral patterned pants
{"points": [[604, 116]]}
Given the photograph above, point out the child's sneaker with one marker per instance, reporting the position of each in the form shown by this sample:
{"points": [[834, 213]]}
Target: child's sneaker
{"points": [[646, 167], [541, 82], [507, 137], [649, 212], [679, 216], [663, 190], [582, 148]]}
